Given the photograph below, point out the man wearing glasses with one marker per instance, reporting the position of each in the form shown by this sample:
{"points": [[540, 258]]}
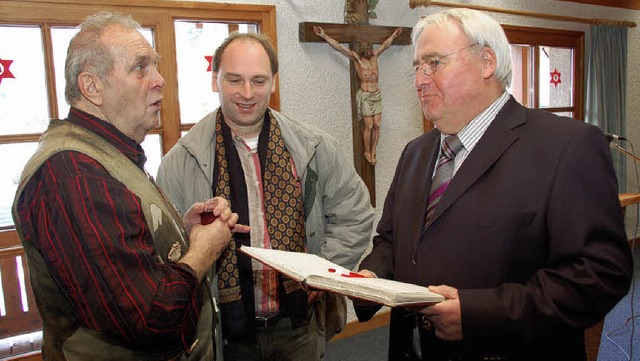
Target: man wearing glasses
{"points": [[510, 213]]}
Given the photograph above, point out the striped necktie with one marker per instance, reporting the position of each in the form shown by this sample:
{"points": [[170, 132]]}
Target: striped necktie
{"points": [[444, 171]]}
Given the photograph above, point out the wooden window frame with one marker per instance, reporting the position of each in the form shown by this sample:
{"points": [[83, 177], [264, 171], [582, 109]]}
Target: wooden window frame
{"points": [[560, 39]]}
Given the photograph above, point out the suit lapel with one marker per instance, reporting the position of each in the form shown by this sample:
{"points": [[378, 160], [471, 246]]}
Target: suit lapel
{"points": [[430, 155], [493, 143], [425, 162]]}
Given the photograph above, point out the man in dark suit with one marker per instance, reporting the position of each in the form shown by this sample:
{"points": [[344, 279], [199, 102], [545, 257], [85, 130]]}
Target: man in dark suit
{"points": [[524, 236]]}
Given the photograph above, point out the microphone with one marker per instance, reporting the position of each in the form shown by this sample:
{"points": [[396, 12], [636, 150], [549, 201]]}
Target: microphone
{"points": [[611, 136], [617, 147]]}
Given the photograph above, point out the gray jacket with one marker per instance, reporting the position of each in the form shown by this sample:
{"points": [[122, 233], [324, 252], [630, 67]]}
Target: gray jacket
{"points": [[338, 212]]}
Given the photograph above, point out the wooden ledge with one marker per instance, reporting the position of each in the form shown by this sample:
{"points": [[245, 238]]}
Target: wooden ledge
{"points": [[355, 327]]}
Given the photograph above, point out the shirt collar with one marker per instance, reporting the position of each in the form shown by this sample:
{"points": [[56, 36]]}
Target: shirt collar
{"points": [[129, 147], [472, 132]]}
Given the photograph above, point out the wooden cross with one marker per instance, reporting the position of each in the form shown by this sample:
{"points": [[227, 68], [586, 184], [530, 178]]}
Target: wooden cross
{"points": [[355, 34]]}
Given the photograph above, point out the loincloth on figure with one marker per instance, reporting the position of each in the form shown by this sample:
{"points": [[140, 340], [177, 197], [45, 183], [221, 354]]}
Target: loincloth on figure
{"points": [[369, 103]]}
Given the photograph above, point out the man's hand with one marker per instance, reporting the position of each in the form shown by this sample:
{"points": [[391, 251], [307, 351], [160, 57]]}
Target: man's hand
{"points": [[444, 317], [360, 302], [366, 273], [206, 244], [207, 211], [199, 211], [209, 239]]}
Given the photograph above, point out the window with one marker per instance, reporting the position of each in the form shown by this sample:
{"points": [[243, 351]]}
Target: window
{"points": [[547, 69], [35, 36]]}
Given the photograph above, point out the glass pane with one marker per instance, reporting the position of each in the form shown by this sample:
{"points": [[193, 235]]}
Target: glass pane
{"points": [[521, 85], [23, 286], [564, 114], [60, 38], [152, 146], [148, 34], [3, 306], [24, 107], [248, 28], [10, 176], [195, 44], [556, 77]]}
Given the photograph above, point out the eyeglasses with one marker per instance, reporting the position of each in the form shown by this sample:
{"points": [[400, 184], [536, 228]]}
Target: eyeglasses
{"points": [[433, 64]]}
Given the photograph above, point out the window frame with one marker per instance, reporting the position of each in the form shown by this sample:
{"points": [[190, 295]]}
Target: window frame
{"points": [[560, 39]]}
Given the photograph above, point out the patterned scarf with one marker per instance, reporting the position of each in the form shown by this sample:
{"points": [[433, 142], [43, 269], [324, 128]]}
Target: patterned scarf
{"points": [[283, 205]]}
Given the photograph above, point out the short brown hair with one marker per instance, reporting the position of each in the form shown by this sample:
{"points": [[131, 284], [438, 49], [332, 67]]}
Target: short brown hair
{"points": [[259, 38]]}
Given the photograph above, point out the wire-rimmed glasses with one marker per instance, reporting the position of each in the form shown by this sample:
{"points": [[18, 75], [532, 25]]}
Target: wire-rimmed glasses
{"points": [[434, 64]]}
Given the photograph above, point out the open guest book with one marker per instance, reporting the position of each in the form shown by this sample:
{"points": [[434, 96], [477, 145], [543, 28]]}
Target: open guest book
{"points": [[317, 272]]}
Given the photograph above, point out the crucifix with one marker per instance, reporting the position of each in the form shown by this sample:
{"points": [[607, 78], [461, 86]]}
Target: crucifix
{"points": [[358, 33]]}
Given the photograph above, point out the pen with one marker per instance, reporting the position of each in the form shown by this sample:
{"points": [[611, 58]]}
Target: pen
{"points": [[352, 275], [346, 273]]}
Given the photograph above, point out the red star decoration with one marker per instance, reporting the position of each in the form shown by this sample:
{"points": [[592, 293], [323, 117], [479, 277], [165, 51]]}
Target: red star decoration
{"points": [[4, 69], [209, 60], [555, 78]]}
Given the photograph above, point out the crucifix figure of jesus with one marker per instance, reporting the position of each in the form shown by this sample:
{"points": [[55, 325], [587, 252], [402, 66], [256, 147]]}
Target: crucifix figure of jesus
{"points": [[355, 32], [368, 96]]}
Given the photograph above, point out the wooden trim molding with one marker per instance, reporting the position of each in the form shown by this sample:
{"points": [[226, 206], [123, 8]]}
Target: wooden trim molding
{"points": [[31, 356], [624, 4], [356, 327], [629, 24]]}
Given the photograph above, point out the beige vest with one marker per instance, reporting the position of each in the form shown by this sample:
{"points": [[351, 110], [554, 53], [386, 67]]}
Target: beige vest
{"points": [[64, 339]]}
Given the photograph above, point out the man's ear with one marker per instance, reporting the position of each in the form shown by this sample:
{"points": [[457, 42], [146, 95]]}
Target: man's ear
{"points": [[91, 87], [214, 82], [273, 85], [489, 63]]}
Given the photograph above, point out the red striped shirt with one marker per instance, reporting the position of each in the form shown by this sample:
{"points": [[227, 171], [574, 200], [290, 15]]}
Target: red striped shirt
{"points": [[92, 233]]}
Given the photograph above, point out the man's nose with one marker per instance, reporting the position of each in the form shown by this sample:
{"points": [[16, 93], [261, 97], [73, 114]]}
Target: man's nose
{"points": [[421, 79], [247, 90], [159, 81]]}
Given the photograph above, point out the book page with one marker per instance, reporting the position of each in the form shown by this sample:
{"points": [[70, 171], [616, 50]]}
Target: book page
{"points": [[317, 272], [297, 266], [387, 292]]}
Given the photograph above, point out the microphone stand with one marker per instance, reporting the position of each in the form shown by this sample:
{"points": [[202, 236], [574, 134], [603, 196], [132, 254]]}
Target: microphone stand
{"points": [[617, 147]]}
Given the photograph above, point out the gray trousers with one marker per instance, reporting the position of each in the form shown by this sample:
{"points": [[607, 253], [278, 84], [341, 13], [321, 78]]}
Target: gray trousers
{"points": [[280, 342]]}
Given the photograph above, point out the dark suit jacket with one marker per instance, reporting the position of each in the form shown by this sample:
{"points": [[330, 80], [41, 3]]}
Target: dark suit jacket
{"points": [[530, 231]]}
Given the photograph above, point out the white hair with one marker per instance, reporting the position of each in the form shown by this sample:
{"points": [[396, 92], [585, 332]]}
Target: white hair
{"points": [[479, 28]]}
